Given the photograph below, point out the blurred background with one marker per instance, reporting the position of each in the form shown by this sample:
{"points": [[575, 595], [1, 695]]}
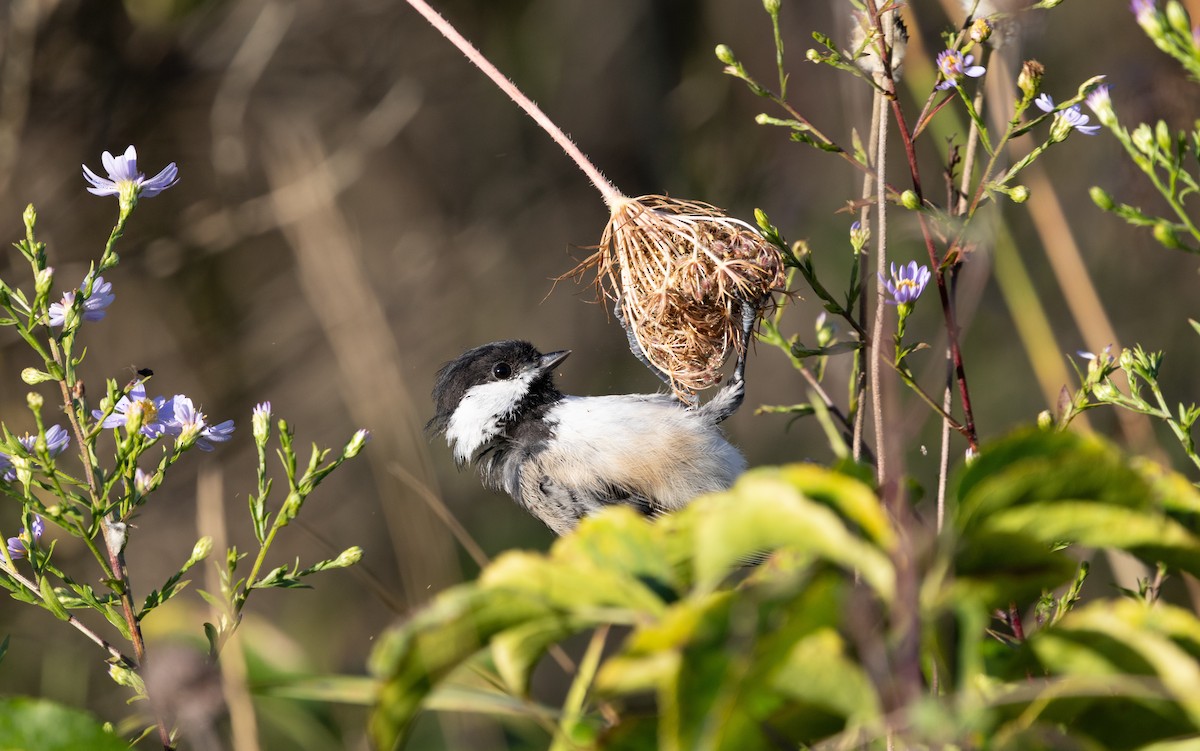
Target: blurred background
{"points": [[357, 205]]}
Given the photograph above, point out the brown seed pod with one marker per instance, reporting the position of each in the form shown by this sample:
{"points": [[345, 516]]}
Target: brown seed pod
{"points": [[681, 272]]}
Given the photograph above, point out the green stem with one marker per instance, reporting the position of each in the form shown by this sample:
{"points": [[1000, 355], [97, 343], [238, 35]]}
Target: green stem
{"points": [[584, 677]]}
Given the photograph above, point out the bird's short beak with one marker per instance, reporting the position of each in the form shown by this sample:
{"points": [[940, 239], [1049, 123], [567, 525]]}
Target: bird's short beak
{"points": [[552, 359]]}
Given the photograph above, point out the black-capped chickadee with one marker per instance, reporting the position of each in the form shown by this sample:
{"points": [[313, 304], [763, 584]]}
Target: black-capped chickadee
{"points": [[565, 457]]}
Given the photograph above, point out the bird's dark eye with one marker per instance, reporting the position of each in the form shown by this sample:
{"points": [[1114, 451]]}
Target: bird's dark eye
{"points": [[501, 370]]}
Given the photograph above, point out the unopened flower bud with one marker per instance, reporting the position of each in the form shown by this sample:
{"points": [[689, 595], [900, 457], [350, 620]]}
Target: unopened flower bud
{"points": [[357, 441], [202, 548], [1151, 21], [1100, 103], [859, 235], [24, 468], [1162, 134], [771, 6], [909, 200], [1126, 360], [349, 557], [43, 281], [812, 56], [1030, 79], [33, 376], [981, 29], [145, 482], [29, 217], [1165, 234], [34, 400], [291, 508], [725, 55], [1178, 18], [1060, 128], [260, 423], [1019, 194], [1045, 420], [1143, 139], [1101, 198]]}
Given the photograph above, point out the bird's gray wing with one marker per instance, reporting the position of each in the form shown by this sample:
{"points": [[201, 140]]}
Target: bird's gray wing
{"points": [[561, 506]]}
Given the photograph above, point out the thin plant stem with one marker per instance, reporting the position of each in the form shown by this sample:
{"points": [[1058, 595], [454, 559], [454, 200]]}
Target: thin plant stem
{"points": [[938, 275], [881, 452], [74, 622], [577, 694], [115, 548], [968, 168], [611, 195], [860, 355]]}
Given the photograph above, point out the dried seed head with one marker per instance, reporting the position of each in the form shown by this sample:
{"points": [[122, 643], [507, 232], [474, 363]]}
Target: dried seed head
{"points": [[681, 271]]}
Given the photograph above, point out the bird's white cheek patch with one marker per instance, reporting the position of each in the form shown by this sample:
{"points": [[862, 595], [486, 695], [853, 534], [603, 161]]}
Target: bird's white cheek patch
{"points": [[477, 419]]}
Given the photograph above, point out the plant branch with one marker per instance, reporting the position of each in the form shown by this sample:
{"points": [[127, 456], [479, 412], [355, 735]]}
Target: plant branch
{"points": [[607, 189]]}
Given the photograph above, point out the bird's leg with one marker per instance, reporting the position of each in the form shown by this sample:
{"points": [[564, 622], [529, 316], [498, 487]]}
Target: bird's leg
{"points": [[729, 398], [749, 316], [636, 348]]}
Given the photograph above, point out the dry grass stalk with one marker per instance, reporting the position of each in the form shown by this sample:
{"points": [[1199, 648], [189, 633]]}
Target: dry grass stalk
{"points": [[681, 272]]}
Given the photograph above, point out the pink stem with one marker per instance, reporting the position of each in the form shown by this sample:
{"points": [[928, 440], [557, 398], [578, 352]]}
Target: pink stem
{"points": [[607, 189]]}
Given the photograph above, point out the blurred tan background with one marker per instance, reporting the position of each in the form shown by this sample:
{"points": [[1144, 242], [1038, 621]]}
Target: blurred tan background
{"points": [[357, 205]]}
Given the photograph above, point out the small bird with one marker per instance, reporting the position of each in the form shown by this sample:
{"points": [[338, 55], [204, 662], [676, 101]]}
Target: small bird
{"points": [[564, 457]]}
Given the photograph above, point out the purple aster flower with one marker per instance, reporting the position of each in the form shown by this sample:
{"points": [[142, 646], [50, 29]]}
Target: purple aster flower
{"points": [[56, 440], [954, 66], [1099, 100], [94, 306], [1142, 8], [188, 420], [157, 414], [213, 434], [907, 284], [142, 481], [1100, 103], [17, 547], [124, 180], [1069, 119], [190, 424]]}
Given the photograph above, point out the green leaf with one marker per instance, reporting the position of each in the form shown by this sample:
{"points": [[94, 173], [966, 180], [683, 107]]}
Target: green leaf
{"points": [[50, 600], [820, 673], [28, 724], [1142, 664], [992, 569], [337, 689], [412, 658], [1039, 487], [1151, 537], [767, 509], [714, 659], [516, 651]]}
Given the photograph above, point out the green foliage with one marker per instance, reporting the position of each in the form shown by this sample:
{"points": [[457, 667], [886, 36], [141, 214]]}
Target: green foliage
{"points": [[39, 725], [93, 500], [773, 614]]}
